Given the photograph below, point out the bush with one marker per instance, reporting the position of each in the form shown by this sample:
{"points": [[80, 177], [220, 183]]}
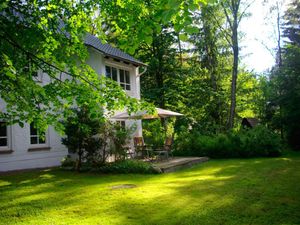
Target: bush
{"points": [[258, 141], [128, 166], [93, 138], [68, 162], [154, 132]]}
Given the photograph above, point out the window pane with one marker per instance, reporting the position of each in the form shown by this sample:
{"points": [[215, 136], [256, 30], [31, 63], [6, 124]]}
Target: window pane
{"points": [[34, 140], [127, 77], [33, 130], [123, 124], [128, 87], [114, 74], [3, 129], [122, 79], [123, 86], [3, 142], [108, 74]]}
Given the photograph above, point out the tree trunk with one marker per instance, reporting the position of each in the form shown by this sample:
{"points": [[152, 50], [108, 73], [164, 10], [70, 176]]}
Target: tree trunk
{"points": [[235, 48]]}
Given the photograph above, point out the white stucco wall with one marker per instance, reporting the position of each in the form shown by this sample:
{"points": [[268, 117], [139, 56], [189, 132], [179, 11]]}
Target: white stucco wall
{"points": [[21, 158], [19, 138]]}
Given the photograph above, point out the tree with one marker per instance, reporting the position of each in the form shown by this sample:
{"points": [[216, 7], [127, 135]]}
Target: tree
{"points": [[48, 36], [212, 54], [80, 130], [288, 74], [234, 14], [284, 97]]}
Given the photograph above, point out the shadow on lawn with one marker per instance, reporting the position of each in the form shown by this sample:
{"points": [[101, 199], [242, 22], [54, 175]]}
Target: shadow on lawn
{"points": [[233, 192], [244, 193]]}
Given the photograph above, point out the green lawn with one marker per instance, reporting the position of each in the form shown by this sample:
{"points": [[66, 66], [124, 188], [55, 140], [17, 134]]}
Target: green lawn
{"points": [[248, 191]]}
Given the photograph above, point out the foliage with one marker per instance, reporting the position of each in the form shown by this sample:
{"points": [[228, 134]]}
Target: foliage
{"points": [[47, 36], [154, 133], [93, 139], [81, 130], [119, 140], [284, 94], [136, 23], [255, 142], [68, 162], [128, 166]]}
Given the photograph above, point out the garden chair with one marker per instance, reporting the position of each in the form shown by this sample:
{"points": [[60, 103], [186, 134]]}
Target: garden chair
{"points": [[140, 147], [166, 149]]}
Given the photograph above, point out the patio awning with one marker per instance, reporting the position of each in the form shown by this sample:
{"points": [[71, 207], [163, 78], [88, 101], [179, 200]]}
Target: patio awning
{"points": [[160, 113]]}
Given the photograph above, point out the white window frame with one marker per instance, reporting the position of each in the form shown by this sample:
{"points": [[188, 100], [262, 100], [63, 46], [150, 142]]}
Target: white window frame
{"points": [[8, 138], [38, 145], [124, 84]]}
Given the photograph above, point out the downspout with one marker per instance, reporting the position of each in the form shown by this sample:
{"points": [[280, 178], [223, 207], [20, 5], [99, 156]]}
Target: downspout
{"points": [[145, 70]]}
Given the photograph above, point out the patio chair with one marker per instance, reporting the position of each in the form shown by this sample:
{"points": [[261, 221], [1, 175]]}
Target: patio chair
{"points": [[141, 147], [166, 149]]}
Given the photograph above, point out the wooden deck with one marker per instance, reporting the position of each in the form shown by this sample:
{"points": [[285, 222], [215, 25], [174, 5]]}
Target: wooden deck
{"points": [[177, 163]]}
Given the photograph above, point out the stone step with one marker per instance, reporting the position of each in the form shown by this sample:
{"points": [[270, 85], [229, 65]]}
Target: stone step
{"points": [[177, 163]]}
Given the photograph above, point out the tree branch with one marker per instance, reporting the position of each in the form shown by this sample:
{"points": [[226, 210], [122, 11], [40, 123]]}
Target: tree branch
{"points": [[244, 11]]}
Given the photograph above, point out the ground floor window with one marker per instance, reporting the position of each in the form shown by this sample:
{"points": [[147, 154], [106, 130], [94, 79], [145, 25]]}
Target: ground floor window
{"points": [[3, 135], [122, 124], [36, 137]]}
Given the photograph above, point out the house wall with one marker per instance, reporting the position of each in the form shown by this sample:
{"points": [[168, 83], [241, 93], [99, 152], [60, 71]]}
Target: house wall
{"points": [[26, 156]]}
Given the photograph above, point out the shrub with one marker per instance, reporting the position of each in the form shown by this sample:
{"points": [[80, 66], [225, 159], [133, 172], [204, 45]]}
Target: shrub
{"points": [[258, 141], [128, 166], [68, 162], [154, 132], [92, 138]]}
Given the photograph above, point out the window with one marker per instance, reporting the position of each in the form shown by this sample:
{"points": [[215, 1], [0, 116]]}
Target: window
{"points": [[36, 137], [111, 73], [3, 135], [122, 124], [119, 75], [125, 80]]}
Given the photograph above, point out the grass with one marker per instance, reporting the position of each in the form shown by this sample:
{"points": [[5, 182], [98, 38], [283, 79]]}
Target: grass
{"points": [[239, 191]]}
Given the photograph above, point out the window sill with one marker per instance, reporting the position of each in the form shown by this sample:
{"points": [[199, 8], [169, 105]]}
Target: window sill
{"points": [[37, 149], [9, 151]]}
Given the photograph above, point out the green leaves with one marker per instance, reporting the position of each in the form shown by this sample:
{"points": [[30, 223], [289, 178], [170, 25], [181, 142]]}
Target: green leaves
{"points": [[183, 37], [41, 44]]}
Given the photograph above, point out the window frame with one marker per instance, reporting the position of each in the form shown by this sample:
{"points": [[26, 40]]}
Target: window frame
{"points": [[8, 137], [38, 145], [126, 71]]}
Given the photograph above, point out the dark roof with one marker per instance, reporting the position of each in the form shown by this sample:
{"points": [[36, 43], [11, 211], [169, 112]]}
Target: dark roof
{"points": [[252, 122], [110, 51]]}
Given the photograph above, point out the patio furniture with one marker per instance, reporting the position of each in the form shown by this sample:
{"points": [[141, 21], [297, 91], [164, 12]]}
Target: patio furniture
{"points": [[166, 149], [141, 147]]}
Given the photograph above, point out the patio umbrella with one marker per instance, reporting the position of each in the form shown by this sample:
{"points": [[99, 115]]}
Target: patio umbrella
{"points": [[160, 113]]}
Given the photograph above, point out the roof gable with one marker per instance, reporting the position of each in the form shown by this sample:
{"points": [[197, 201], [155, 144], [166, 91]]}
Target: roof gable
{"points": [[110, 51]]}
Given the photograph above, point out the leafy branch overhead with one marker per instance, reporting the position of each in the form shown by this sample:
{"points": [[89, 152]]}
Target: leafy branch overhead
{"points": [[48, 36]]}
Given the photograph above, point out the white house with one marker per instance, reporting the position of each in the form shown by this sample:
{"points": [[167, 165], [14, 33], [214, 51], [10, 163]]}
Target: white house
{"points": [[21, 148]]}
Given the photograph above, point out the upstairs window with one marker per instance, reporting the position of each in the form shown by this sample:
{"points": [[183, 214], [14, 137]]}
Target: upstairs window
{"points": [[112, 73], [3, 135], [125, 80], [119, 75], [36, 137]]}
